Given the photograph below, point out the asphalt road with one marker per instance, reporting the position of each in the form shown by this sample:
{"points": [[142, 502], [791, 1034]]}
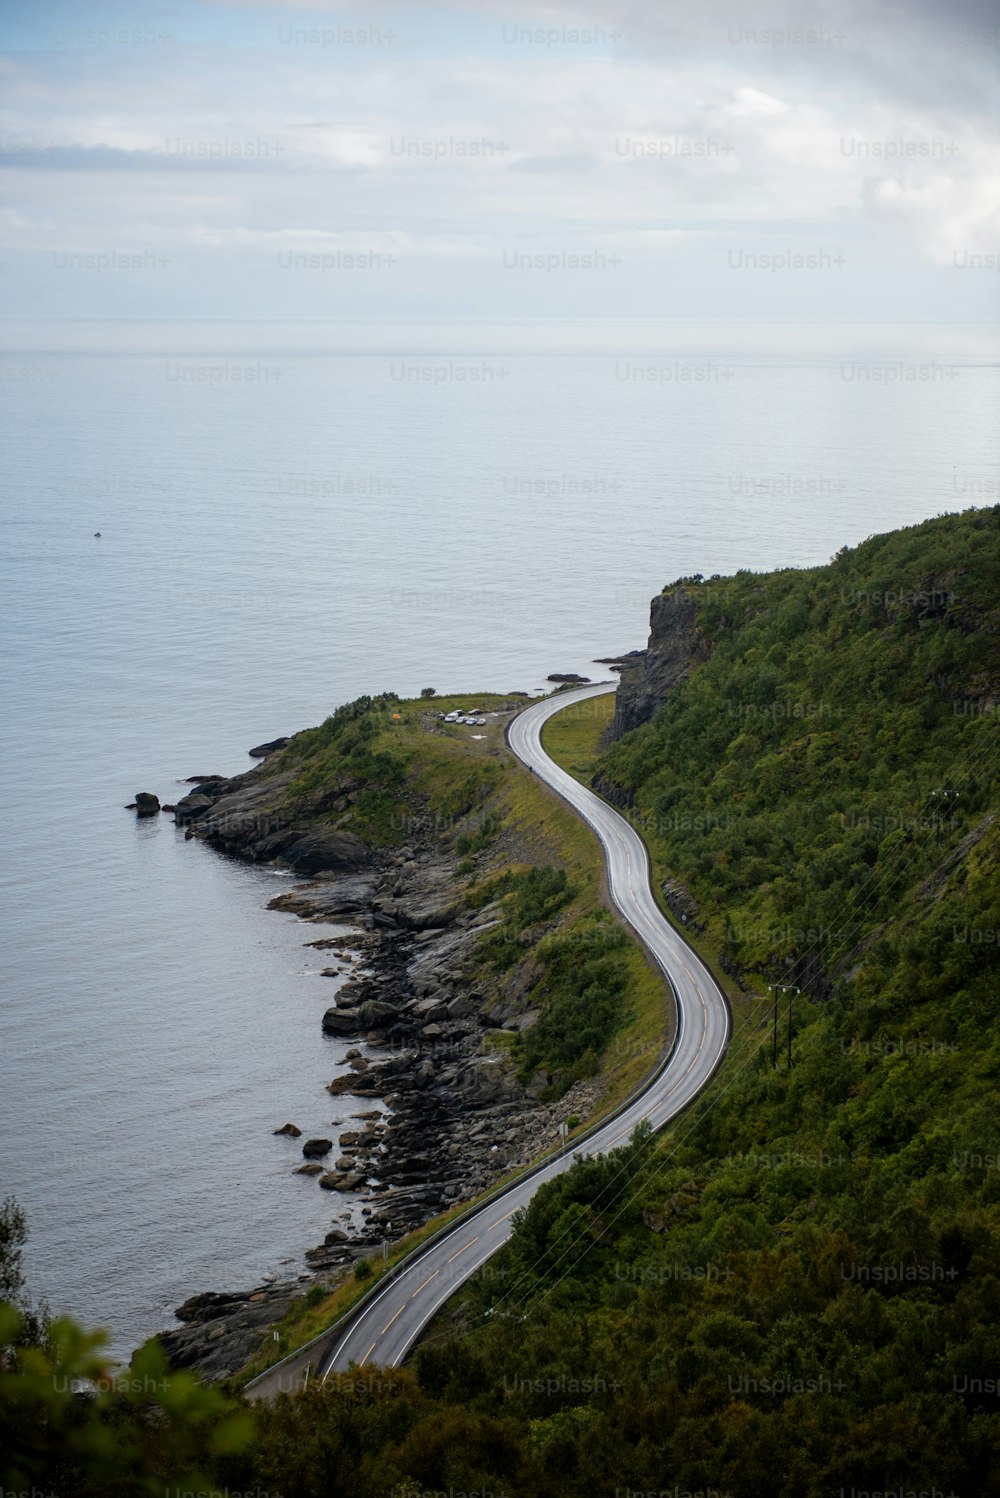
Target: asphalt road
{"points": [[386, 1328]]}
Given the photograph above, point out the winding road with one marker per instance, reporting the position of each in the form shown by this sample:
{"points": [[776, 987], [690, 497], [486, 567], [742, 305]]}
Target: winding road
{"points": [[383, 1329]]}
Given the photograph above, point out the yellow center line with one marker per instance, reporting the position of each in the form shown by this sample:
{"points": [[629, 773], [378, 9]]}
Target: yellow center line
{"points": [[502, 1219], [464, 1247], [367, 1356], [426, 1282], [389, 1323]]}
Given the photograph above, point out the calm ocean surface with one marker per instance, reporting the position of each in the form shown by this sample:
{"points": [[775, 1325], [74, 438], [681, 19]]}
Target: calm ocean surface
{"points": [[272, 546]]}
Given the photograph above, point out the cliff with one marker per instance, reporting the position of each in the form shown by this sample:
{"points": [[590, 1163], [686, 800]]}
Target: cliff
{"points": [[676, 645]]}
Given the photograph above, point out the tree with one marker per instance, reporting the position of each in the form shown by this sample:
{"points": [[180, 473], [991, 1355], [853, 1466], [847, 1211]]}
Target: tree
{"points": [[428, 691], [32, 1322]]}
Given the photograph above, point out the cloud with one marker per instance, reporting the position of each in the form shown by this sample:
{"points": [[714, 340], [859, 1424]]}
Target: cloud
{"points": [[569, 161], [694, 132]]}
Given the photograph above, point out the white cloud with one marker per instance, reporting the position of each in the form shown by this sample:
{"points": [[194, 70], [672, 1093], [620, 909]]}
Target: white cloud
{"points": [[674, 144]]}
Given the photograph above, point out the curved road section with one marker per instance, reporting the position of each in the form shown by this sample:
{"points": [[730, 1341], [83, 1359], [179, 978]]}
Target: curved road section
{"points": [[386, 1326]]}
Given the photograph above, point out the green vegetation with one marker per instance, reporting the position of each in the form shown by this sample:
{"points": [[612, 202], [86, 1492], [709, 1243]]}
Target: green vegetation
{"points": [[585, 983], [381, 768], [795, 1291], [820, 763], [71, 1425], [375, 765], [573, 737]]}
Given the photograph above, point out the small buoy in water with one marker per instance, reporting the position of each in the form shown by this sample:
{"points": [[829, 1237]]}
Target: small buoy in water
{"points": [[97, 535]]}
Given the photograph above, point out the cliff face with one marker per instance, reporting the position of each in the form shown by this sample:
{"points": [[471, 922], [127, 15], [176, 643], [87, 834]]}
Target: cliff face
{"points": [[676, 646]]}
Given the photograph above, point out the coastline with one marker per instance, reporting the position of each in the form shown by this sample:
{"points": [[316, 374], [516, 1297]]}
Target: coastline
{"points": [[429, 1113]]}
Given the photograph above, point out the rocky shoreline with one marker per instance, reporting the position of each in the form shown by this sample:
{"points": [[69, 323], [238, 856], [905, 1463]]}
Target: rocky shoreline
{"points": [[434, 1113]]}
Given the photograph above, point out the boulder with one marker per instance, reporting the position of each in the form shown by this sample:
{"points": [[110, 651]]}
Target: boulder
{"points": [[189, 808], [315, 1147], [339, 851], [289, 1129], [430, 1009], [349, 1181], [312, 1169], [340, 1085], [369, 1016], [569, 676], [210, 1304], [146, 804], [261, 751]]}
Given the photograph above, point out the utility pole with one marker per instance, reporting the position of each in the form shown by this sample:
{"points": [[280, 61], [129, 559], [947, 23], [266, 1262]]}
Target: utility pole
{"points": [[947, 796], [790, 989]]}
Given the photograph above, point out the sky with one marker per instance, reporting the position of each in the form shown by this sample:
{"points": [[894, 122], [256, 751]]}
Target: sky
{"points": [[539, 167]]}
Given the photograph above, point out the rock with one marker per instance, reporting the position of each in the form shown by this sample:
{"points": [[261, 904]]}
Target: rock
{"points": [[676, 646], [203, 779], [189, 808], [315, 1147], [430, 1009], [371, 1015], [682, 904], [433, 916], [340, 851], [261, 751], [538, 1083], [313, 1169], [146, 804], [167, 806], [341, 1180], [211, 1304], [356, 1086], [569, 676], [289, 1129]]}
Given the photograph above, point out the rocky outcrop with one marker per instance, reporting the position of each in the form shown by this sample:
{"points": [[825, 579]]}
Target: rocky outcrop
{"points": [[189, 808], [250, 816], [682, 904], [617, 795], [146, 804], [676, 647], [261, 751], [336, 851], [568, 677], [222, 1332]]}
